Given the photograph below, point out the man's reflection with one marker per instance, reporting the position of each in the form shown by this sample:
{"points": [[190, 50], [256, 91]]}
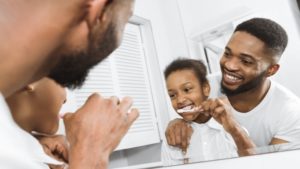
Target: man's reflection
{"points": [[270, 112]]}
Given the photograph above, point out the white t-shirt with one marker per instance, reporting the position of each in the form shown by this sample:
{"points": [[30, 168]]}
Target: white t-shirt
{"points": [[276, 116], [18, 149], [209, 141]]}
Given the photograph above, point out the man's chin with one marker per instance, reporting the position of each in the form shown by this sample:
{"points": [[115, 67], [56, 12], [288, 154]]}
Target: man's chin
{"points": [[229, 91], [72, 70], [72, 81]]}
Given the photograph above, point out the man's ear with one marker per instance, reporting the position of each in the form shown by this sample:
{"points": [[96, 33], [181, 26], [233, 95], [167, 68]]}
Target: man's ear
{"points": [[272, 69], [206, 89], [95, 10], [29, 88]]}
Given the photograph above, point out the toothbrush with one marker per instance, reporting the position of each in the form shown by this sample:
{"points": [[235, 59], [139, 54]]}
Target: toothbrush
{"points": [[195, 109]]}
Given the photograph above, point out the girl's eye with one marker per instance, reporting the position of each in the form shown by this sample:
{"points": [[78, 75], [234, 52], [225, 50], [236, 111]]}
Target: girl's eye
{"points": [[226, 54], [172, 96]]}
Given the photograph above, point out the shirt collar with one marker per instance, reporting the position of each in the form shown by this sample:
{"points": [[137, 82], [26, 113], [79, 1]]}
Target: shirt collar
{"points": [[212, 123], [21, 140]]}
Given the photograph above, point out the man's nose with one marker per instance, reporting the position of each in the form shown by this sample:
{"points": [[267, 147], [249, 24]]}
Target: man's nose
{"points": [[232, 64]]}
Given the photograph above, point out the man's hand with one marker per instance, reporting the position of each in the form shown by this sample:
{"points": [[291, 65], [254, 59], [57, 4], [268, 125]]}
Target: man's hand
{"points": [[220, 111], [96, 129], [55, 146], [178, 134]]}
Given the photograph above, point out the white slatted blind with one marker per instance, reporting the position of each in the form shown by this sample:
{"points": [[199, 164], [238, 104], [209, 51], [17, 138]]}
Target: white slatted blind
{"points": [[125, 73]]}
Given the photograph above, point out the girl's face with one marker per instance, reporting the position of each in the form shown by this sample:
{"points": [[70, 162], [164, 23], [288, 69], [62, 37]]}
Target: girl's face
{"points": [[186, 92], [47, 100]]}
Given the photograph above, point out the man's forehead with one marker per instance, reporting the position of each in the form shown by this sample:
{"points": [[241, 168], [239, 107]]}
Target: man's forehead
{"points": [[244, 42]]}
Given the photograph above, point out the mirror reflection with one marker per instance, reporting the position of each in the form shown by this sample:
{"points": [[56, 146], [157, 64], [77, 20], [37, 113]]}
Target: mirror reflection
{"points": [[251, 56], [211, 80]]}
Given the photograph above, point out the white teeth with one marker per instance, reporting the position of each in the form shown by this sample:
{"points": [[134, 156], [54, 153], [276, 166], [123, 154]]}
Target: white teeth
{"points": [[233, 78], [186, 109]]}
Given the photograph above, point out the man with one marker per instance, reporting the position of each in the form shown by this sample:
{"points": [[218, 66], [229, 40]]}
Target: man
{"points": [[62, 39], [269, 112]]}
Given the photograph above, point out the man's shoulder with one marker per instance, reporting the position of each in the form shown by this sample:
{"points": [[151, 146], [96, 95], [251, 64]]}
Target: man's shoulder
{"points": [[283, 93], [284, 99], [13, 159]]}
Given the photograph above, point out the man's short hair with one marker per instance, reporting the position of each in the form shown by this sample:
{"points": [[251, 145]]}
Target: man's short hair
{"points": [[268, 31], [197, 66]]}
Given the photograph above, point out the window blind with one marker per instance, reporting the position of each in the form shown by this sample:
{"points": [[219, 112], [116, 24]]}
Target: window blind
{"points": [[125, 73]]}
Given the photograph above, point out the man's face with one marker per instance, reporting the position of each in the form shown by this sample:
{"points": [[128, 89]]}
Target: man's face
{"points": [[244, 64], [88, 46]]}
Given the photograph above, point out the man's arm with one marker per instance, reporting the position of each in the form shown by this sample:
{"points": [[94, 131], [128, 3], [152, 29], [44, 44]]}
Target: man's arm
{"points": [[178, 133], [245, 146], [277, 141], [220, 111]]}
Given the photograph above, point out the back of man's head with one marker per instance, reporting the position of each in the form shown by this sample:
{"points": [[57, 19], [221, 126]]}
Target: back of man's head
{"points": [[268, 31]]}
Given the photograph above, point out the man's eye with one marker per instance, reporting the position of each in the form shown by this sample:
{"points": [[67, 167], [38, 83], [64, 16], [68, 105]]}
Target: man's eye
{"points": [[109, 2], [247, 62], [187, 90]]}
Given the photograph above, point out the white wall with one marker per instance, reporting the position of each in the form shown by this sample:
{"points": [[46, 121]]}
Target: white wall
{"points": [[200, 15], [167, 28]]}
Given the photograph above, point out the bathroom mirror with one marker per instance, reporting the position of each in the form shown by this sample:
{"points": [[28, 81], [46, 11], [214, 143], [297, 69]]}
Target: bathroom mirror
{"points": [[162, 31]]}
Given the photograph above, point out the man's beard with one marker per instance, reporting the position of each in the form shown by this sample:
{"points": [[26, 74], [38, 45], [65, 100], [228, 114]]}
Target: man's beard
{"points": [[254, 83], [72, 69]]}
